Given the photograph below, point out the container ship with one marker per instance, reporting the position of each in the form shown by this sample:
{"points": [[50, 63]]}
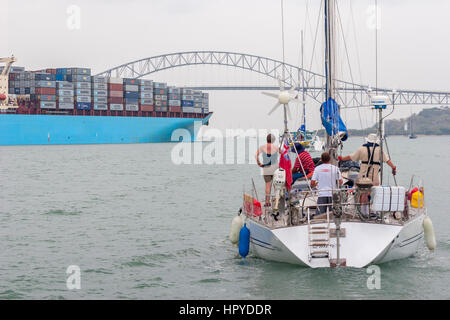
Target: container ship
{"points": [[70, 106]]}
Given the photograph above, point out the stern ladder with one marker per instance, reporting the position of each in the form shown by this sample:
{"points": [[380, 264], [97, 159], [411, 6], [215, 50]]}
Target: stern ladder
{"points": [[319, 239]]}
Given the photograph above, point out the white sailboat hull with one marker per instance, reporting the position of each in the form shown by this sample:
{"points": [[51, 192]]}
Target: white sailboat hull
{"points": [[363, 244]]}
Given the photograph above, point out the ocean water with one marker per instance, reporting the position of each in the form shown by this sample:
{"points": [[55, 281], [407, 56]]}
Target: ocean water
{"points": [[141, 227]]}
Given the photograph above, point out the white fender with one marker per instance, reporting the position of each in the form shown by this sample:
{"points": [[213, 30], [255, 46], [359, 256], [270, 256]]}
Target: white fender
{"points": [[236, 226], [428, 230]]}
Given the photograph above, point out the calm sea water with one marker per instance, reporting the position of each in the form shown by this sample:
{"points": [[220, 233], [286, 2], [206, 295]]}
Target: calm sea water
{"points": [[141, 227]]}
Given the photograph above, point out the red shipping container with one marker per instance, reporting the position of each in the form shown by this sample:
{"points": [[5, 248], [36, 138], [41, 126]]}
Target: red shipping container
{"points": [[115, 87], [115, 100], [174, 109], [116, 94], [145, 107], [51, 71], [49, 91]]}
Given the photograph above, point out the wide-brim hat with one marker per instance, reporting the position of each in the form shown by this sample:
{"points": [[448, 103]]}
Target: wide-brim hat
{"points": [[372, 138], [298, 146]]}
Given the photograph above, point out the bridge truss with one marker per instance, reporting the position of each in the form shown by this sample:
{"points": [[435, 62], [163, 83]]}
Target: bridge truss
{"points": [[348, 94]]}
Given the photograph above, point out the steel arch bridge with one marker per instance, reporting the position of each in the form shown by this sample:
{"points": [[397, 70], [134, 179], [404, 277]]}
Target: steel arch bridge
{"points": [[348, 94]]}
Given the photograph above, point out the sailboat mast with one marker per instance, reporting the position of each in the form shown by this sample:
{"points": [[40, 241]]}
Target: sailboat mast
{"points": [[330, 58], [303, 91]]}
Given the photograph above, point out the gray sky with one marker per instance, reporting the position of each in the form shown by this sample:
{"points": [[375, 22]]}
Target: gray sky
{"points": [[413, 48]]}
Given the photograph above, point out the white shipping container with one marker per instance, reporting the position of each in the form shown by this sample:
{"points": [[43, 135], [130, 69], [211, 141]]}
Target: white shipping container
{"points": [[160, 85], [83, 98], [97, 79], [102, 93], [148, 102], [82, 85], [146, 83], [100, 106], [48, 105], [131, 107], [100, 100], [187, 91], [116, 81], [131, 87], [146, 95], [387, 199], [146, 89], [101, 86], [174, 103], [65, 106], [64, 85], [188, 109], [65, 93], [174, 90], [65, 99], [116, 107]]}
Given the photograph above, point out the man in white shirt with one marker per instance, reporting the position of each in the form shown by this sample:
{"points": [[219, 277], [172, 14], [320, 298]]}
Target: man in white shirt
{"points": [[326, 177]]}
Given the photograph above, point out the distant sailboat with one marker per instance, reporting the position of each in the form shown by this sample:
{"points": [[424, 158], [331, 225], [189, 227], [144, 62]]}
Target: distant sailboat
{"points": [[411, 133]]}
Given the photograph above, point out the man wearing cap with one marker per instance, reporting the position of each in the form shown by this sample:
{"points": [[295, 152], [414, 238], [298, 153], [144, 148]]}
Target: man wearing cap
{"points": [[303, 163], [370, 156]]}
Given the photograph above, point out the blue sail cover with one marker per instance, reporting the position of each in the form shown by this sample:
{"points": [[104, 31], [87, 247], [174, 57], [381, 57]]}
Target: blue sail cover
{"points": [[331, 120]]}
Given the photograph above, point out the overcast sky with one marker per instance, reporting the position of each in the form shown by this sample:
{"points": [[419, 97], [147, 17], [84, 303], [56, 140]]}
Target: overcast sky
{"points": [[413, 44]]}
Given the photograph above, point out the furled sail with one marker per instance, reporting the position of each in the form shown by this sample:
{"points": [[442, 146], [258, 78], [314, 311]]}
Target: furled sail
{"points": [[331, 120]]}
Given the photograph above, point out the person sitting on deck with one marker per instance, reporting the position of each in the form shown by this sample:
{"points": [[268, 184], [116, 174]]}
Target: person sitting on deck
{"points": [[270, 163], [303, 163], [326, 177], [370, 156]]}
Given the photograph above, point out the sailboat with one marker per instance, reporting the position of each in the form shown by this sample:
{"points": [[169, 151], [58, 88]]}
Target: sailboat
{"points": [[411, 133], [355, 232]]}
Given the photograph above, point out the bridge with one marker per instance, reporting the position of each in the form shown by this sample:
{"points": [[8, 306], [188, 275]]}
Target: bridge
{"points": [[348, 94]]}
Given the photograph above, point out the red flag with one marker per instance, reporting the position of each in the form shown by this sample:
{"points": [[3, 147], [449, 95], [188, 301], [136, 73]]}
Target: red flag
{"points": [[285, 163]]}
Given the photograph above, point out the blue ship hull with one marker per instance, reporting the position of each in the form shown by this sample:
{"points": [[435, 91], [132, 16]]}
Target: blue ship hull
{"points": [[20, 129]]}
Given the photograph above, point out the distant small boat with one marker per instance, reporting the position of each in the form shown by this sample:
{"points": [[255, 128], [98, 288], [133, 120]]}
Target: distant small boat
{"points": [[411, 133]]}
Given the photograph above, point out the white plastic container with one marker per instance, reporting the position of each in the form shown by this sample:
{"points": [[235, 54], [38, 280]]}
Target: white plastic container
{"points": [[389, 199]]}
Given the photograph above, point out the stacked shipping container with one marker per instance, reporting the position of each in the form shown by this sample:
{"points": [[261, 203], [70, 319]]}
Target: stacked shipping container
{"points": [[42, 89], [160, 96], [64, 95], [146, 102], [69, 88], [187, 100], [174, 99], [99, 92], [115, 94], [131, 94]]}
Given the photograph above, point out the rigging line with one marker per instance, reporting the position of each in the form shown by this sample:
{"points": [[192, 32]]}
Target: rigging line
{"points": [[348, 58], [376, 46], [282, 38], [315, 37], [356, 42]]}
